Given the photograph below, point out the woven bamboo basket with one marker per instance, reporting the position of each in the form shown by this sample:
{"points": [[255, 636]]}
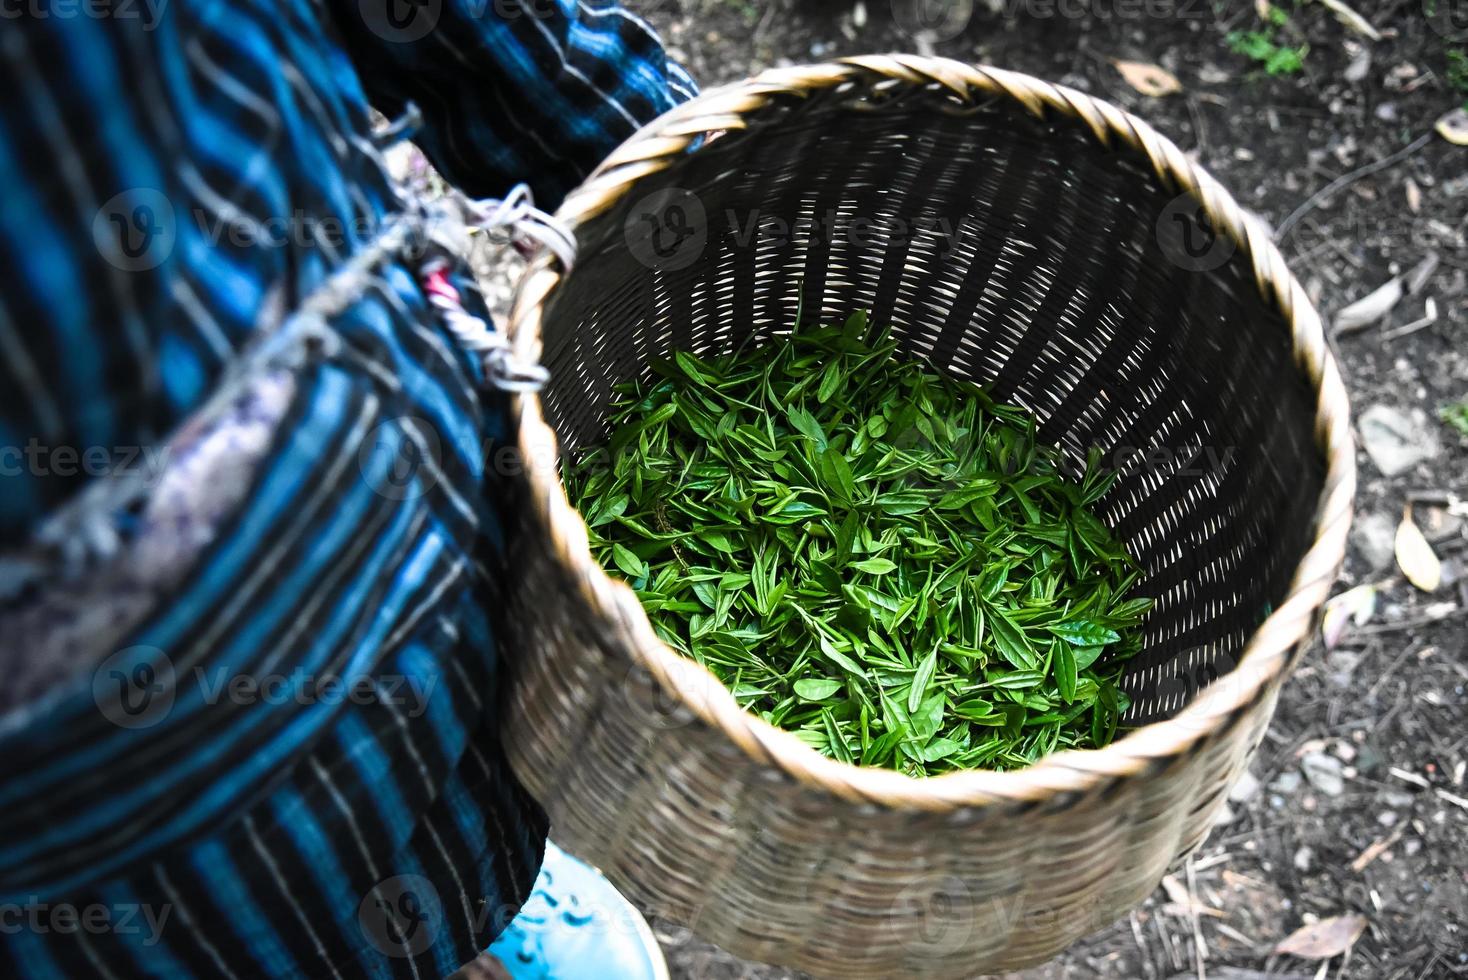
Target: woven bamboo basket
{"points": [[1012, 232]]}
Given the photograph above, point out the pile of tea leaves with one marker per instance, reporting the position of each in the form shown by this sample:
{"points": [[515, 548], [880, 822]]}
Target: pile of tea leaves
{"points": [[879, 559]]}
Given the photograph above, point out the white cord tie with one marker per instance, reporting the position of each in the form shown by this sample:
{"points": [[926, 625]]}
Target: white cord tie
{"points": [[518, 213], [504, 370]]}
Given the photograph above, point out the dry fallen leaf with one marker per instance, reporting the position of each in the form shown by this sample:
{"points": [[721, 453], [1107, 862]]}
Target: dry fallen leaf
{"points": [[1351, 19], [1148, 79], [1415, 556], [1324, 939], [1453, 127], [1371, 307], [1357, 606], [1421, 273]]}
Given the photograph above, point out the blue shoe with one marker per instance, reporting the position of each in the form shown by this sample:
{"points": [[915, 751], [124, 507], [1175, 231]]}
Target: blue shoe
{"points": [[576, 926]]}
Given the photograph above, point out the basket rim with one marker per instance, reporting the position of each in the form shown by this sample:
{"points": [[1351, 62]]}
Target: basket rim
{"points": [[1212, 712]]}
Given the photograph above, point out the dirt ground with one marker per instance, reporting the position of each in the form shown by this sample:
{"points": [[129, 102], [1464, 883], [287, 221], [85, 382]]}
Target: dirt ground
{"points": [[1357, 803]]}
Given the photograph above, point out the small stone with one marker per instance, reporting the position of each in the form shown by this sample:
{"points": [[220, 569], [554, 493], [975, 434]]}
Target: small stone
{"points": [[1211, 74], [1245, 789], [1224, 817], [1286, 782], [1375, 537], [1341, 665], [1454, 571], [1386, 818], [1395, 440], [1304, 859], [1359, 66], [1324, 773], [1387, 112]]}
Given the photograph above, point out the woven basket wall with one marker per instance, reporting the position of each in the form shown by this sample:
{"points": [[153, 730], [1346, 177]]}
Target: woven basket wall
{"points": [[1011, 232]]}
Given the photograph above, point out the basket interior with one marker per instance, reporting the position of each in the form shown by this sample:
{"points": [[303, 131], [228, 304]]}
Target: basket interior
{"points": [[1004, 249]]}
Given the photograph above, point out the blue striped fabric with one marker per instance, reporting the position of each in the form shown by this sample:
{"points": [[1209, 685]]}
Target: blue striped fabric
{"points": [[249, 553]]}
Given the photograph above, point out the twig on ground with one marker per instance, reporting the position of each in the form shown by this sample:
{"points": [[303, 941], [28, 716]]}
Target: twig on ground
{"points": [[1141, 941], [1169, 942], [1213, 860], [1377, 848], [1446, 497], [1346, 180], [1336, 246], [1409, 777], [1452, 798], [1200, 951], [1235, 935], [1427, 320], [1411, 624], [1390, 671]]}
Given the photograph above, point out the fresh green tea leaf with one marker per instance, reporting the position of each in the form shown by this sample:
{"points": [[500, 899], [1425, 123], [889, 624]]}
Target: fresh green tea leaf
{"points": [[921, 679], [874, 566], [883, 560], [811, 689], [1065, 672], [628, 562], [805, 423], [1083, 633], [1012, 641]]}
